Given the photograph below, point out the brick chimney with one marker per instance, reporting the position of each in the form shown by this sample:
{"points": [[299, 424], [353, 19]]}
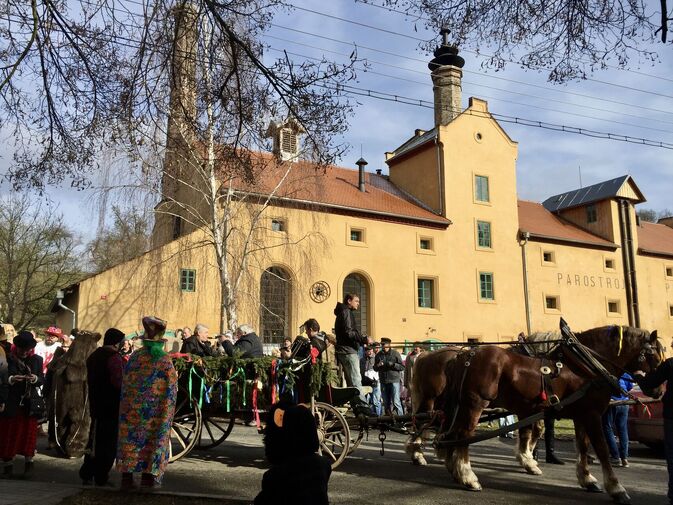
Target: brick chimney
{"points": [[446, 79]]}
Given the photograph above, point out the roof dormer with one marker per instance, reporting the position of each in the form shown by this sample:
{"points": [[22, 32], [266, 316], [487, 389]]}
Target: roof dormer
{"points": [[286, 139]]}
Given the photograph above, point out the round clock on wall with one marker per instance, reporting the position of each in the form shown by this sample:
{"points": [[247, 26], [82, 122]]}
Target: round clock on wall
{"points": [[320, 291]]}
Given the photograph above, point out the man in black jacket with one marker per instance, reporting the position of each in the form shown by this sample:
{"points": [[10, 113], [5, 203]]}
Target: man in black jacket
{"points": [[389, 364], [248, 344], [348, 342], [198, 343], [105, 368]]}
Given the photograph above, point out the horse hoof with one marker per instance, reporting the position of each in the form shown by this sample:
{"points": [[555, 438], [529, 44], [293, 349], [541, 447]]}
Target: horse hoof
{"points": [[473, 486], [592, 487], [420, 461], [533, 470], [622, 498]]}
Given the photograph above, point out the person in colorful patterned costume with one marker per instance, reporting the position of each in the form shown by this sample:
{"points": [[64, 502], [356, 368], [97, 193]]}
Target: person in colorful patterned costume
{"points": [[149, 392]]}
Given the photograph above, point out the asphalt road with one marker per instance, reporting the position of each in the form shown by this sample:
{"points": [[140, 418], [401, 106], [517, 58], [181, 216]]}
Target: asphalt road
{"points": [[235, 469]]}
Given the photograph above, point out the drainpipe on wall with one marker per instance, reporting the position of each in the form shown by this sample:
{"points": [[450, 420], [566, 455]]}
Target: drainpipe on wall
{"points": [[632, 261], [525, 236], [59, 297], [626, 261], [440, 179]]}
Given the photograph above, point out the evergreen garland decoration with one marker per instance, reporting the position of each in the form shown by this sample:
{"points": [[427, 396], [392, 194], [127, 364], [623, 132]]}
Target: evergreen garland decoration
{"points": [[220, 369]]}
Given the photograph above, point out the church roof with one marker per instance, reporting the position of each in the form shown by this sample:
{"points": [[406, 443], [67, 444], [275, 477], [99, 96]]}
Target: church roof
{"points": [[542, 224], [623, 186]]}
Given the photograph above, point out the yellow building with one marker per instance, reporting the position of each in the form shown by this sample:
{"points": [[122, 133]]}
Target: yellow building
{"points": [[440, 248]]}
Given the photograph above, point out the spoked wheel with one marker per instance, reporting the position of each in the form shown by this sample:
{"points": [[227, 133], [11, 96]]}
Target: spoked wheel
{"points": [[185, 430], [334, 434], [356, 439], [215, 429]]}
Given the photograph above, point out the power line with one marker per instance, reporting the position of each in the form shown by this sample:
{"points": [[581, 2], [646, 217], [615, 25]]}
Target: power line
{"points": [[465, 81], [423, 18], [398, 34], [505, 119], [489, 76], [353, 90], [495, 98]]}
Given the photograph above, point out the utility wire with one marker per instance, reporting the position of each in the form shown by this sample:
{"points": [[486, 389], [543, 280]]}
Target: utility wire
{"points": [[429, 20], [418, 39]]}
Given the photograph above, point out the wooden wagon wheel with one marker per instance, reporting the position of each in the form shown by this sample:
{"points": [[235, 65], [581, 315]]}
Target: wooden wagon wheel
{"points": [[356, 439], [334, 434], [185, 430], [215, 428]]}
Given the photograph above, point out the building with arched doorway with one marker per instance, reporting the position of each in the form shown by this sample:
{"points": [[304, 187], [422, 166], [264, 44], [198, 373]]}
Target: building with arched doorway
{"points": [[440, 247]]}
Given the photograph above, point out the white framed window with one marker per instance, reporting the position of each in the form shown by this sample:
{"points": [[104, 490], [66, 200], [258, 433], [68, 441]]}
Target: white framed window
{"points": [[187, 280], [484, 235], [426, 293], [481, 189], [356, 236], [486, 286]]}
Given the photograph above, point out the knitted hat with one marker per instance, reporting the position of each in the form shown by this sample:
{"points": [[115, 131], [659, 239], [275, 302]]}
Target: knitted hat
{"points": [[25, 340], [154, 328], [113, 336]]}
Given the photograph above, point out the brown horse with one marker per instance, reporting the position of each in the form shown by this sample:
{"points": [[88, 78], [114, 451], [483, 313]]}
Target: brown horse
{"points": [[498, 377], [428, 382]]}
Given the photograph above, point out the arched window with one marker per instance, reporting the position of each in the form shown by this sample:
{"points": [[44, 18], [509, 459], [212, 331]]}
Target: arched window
{"points": [[275, 297], [358, 285]]}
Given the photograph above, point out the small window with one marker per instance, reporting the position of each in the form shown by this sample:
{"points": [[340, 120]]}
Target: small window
{"points": [[481, 193], [426, 293], [548, 257], [278, 225], [614, 307], [670, 310], [425, 244], [609, 264], [177, 227], [187, 280], [669, 271], [484, 234], [357, 235], [486, 286], [288, 140], [551, 302], [592, 215]]}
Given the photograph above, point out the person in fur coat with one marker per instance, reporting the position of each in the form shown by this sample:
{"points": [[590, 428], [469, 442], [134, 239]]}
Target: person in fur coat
{"points": [[70, 395]]}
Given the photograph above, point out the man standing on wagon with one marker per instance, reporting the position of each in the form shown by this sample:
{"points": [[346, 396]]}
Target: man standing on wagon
{"points": [[348, 342]]}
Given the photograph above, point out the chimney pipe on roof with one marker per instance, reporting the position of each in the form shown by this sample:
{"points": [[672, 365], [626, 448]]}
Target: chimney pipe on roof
{"points": [[361, 163]]}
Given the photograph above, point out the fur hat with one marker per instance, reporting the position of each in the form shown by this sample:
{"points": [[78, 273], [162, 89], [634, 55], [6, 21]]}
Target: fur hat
{"points": [[54, 331], [154, 328], [113, 336], [25, 340]]}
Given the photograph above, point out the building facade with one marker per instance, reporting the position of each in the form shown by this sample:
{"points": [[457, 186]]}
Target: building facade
{"points": [[439, 248]]}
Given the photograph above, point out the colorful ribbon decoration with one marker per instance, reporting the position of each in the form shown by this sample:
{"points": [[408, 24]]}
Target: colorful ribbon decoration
{"points": [[273, 381], [193, 371]]}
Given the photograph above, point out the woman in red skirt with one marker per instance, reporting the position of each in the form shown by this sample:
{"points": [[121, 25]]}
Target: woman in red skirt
{"points": [[18, 423]]}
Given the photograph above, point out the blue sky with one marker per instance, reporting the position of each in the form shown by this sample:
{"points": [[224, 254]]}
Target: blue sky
{"points": [[636, 103]]}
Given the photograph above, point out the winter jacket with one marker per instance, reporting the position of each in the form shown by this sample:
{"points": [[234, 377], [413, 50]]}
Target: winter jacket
{"points": [[193, 345], [626, 383], [298, 481], [656, 378], [15, 396], [389, 365], [348, 337], [105, 368], [302, 345], [248, 346]]}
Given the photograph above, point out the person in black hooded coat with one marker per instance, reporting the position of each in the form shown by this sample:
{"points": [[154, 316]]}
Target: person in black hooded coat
{"points": [[298, 475]]}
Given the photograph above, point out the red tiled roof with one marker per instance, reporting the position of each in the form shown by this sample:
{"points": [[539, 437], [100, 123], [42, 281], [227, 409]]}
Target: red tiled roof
{"points": [[655, 238], [337, 187], [540, 223]]}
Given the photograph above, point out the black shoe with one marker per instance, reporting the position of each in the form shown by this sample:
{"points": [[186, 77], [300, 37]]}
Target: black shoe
{"points": [[28, 470], [551, 458], [7, 472]]}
